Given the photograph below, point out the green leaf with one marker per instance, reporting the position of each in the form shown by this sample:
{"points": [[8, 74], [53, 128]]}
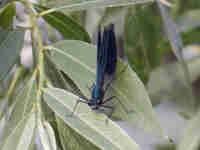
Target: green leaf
{"points": [[18, 77], [47, 135], [6, 16], [33, 145], [78, 60], [190, 140], [131, 92], [96, 128], [74, 140], [21, 136], [72, 57], [57, 132], [23, 105], [11, 42], [176, 43], [172, 31], [51, 134], [53, 74], [4, 119], [65, 25], [91, 4]]}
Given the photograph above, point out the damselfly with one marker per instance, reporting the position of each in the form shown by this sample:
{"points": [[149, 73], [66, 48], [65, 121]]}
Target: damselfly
{"points": [[106, 66]]}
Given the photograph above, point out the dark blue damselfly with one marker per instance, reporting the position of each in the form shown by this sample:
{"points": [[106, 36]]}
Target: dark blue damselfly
{"points": [[106, 66]]}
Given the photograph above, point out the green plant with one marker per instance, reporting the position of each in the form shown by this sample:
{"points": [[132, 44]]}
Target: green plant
{"points": [[37, 102]]}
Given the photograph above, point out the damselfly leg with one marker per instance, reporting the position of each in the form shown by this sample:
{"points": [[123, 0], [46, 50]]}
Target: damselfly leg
{"points": [[109, 85]]}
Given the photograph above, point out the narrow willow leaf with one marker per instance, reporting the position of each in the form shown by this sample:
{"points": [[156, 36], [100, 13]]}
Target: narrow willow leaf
{"points": [[177, 46], [65, 25], [2, 127], [96, 128], [11, 42], [33, 145], [74, 140], [20, 137], [51, 134], [90, 4], [191, 138], [171, 31], [72, 57], [47, 136], [28, 132], [18, 79], [135, 105], [78, 60], [52, 3], [53, 74], [4, 119], [17, 76], [24, 104], [6, 16], [57, 133]]}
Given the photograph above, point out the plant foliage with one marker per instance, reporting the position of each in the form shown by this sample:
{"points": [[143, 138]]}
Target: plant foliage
{"points": [[38, 103]]}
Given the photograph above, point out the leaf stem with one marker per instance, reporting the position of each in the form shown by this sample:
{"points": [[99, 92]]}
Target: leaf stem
{"points": [[14, 81], [40, 62]]}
